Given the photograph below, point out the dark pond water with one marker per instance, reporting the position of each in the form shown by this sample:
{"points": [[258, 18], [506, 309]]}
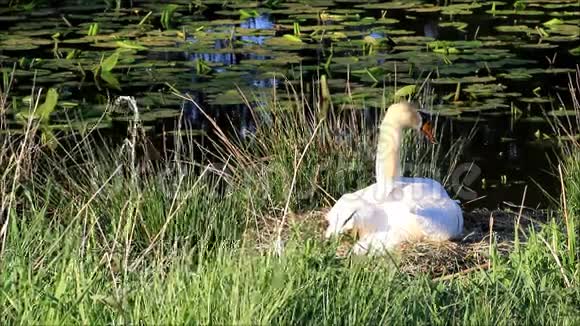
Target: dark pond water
{"points": [[505, 65]]}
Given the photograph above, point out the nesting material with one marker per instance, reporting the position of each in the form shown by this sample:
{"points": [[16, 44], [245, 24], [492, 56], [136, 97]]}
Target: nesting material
{"points": [[482, 227], [438, 259]]}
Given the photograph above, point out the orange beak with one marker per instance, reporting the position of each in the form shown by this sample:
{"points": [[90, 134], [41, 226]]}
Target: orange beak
{"points": [[427, 130]]}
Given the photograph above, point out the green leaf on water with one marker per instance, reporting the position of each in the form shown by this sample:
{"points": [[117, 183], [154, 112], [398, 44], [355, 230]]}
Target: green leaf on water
{"points": [[45, 109], [109, 64], [447, 50], [405, 91], [110, 79], [553, 22], [132, 45], [292, 38], [245, 14]]}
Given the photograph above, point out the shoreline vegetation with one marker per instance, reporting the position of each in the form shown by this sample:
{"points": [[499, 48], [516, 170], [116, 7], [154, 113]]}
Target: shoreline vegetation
{"points": [[92, 233]]}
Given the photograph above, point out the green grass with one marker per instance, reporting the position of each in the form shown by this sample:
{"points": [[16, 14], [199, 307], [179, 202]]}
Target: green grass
{"points": [[104, 237]]}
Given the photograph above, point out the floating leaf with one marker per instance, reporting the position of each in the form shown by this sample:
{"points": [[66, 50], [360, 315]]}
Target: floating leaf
{"points": [[565, 29], [553, 22], [132, 45], [110, 63], [563, 113], [292, 38], [447, 50], [458, 25], [246, 14], [514, 29], [516, 75]]}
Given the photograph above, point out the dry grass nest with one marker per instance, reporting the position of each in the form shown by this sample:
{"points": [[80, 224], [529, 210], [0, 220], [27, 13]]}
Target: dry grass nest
{"points": [[482, 227]]}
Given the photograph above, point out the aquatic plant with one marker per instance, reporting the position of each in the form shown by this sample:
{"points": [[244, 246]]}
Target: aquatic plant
{"points": [[93, 29], [202, 67], [296, 27], [38, 115], [104, 68], [167, 15]]}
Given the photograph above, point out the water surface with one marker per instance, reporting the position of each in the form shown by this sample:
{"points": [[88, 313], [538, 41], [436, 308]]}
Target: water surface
{"points": [[504, 68]]}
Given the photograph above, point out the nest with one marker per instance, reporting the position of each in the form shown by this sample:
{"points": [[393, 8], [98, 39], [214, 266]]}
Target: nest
{"points": [[482, 227]]}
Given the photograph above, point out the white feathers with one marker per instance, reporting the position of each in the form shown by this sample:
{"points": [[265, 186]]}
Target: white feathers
{"points": [[395, 209], [414, 209]]}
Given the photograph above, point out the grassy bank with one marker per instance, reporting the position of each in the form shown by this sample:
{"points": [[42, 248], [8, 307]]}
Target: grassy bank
{"points": [[101, 235]]}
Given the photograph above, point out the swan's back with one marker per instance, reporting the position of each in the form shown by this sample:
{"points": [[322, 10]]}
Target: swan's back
{"points": [[416, 189], [422, 208]]}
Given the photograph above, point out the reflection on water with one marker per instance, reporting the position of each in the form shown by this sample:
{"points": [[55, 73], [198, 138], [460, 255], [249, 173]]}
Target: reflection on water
{"points": [[431, 29], [504, 70], [261, 22]]}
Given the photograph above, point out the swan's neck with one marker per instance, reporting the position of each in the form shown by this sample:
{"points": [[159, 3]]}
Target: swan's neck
{"points": [[388, 152]]}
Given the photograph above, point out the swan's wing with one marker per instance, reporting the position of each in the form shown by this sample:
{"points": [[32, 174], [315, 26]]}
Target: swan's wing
{"points": [[440, 220], [436, 215], [414, 208]]}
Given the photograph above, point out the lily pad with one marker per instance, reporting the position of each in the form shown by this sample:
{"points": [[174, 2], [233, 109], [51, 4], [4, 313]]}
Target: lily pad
{"points": [[563, 113], [537, 100], [515, 29], [516, 75], [485, 90], [463, 80], [153, 115], [390, 5], [515, 12]]}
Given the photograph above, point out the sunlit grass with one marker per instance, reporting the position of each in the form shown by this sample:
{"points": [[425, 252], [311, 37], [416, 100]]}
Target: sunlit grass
{"points": [[100, 235]]}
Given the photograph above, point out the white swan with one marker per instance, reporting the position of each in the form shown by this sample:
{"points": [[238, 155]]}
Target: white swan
{"points": [[396, 209]]}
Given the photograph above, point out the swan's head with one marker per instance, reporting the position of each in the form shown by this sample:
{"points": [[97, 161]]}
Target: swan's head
{"points": [[407, 115], [355, 215], [341, 217]]}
